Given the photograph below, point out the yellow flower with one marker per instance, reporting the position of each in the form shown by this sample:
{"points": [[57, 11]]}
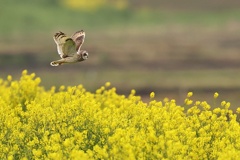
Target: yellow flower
{"points": [[76, 154], [9, 78], [227, 105], [24, 72], [38, 80], [165, 100], [106, 130], [33, 75], [10, 157], [223, 103], [217, 110], [62, 88], [133, 92], [188, 101], [197, 103], [73, 122], [152, 95], [190, 94], [37, 152], [107, 84], [238, 110], [95, 4], [215, 95], [67, 142]]}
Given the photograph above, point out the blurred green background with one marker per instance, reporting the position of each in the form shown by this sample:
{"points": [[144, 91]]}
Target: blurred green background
{"points": [[169, 47]]}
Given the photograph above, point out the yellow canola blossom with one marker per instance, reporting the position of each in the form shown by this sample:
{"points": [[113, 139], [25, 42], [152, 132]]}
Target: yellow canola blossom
{"points": [[86, 5], [72, 123]]}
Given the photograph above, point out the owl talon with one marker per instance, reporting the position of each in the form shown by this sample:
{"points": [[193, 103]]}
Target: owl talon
{"points": [[54, 64]]}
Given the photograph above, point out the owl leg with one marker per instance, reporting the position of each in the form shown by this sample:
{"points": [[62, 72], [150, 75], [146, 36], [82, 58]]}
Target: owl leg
{"points": [[56, 63]]}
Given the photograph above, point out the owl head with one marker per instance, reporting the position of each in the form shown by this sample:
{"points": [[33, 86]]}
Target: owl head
{"points": [[83, 54]]}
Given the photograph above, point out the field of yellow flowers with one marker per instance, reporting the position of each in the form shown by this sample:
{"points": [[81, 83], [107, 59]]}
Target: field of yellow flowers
{"points": [[72, 123]]}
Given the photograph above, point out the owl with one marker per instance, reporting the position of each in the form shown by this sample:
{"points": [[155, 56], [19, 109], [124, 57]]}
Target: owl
{"points": [[69, 49]]}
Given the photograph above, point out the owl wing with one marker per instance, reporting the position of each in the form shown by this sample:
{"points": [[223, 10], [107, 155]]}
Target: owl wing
{"points": [[78, 38], [65, 45]]}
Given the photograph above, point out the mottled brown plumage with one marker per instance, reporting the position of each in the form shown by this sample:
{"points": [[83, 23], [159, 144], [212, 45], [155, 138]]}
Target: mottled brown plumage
{"points": [[69, 49]]}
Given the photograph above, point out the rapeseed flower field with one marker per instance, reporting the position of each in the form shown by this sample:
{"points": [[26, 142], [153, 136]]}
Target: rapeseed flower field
{"points": [[72, 123]]}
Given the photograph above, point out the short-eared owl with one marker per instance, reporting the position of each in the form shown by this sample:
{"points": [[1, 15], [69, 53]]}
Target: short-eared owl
{"points": [[69, 49]]}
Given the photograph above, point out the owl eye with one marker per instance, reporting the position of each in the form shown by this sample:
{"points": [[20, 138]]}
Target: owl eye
{"points": [[85, 55]]}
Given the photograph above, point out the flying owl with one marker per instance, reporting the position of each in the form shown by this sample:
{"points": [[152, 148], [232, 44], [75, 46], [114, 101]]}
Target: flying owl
{"points": [[69, 49]]}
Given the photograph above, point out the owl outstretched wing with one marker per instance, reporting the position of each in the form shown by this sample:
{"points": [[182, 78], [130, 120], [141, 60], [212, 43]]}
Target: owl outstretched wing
{"points": [[78, 38], [66, 46]]}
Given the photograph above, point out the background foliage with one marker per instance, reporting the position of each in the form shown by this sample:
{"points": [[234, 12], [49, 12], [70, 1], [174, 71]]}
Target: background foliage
{"points": [[169, 47]]}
